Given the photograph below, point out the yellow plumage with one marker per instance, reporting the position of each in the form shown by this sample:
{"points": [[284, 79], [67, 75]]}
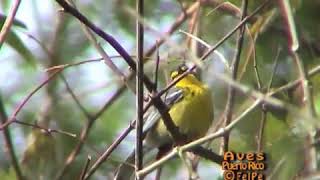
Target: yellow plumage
{"points": [[193, 114], [191, 109]]}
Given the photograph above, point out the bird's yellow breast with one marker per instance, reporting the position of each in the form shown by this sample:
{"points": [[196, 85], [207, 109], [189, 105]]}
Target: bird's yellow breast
{"points": [[193, 116]]}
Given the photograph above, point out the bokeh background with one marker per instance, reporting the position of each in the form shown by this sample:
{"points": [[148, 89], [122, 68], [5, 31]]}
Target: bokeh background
{"points": [[43, 37]]}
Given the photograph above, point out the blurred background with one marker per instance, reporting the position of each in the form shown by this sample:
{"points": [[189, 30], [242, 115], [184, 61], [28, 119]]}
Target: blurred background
{"points": [[91, 101]]}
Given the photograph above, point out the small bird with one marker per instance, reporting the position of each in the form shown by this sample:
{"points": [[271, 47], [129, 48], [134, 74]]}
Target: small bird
{"points": [[191, 110]]}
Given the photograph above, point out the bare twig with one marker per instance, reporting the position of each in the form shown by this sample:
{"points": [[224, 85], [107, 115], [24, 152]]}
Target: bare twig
{"points": [[195, 143], [220, 55], [178, 22], [234, 67], [139, 87], [46, 130], [156, 71], [85, 131], [9, 148], [247, 18], [264, 110], [274, 69], [295, 83], [261, 129], [256, 71], [111, 148], [158, 174], [85, 168], [8, 22], [225, 7], [158, 103], [307, 98], [26, 99], [76, 100], [104, 55]]}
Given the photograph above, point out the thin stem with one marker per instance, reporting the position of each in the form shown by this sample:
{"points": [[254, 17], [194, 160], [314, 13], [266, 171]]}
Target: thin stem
{"points": [[178, 22], [9, 148], [260, 98], [264, 110], [85, 168], [85, 131], [26, 99], [247, 18], [234, 67], [156, 71], [158, 173], [195, 143], [158, 103], [46, 130], [104, 55], [261, 129], [76, 100], [274, 69], [9, 21], [139, 87], [256, 71]]}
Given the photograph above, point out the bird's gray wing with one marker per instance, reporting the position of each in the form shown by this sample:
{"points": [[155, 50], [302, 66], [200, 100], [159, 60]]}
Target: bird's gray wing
{"points": [[155, 116], [125, 171]]}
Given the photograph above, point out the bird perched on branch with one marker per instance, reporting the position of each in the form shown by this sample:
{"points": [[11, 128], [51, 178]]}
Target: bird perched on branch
{"points": [[191, 109]]}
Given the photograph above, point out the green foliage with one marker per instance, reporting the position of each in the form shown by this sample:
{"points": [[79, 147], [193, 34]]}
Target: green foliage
{"points": [[42, 156], [8, 175], [15, 42]]}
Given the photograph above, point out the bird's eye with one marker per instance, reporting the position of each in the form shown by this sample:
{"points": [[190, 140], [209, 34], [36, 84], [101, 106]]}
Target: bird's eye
{"points": [[181, 69]]}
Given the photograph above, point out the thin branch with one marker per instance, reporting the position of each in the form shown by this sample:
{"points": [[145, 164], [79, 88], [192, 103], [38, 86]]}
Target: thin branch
{"points": [[234, 67], [158, 173], [247, 18], [295, 83], [264, 110], [196, 143], [178, 22], [274, 69], [8, 22], [85, 131], [293, 45], [9, 148], [261, 98], [207, 154], [156, 71], [261, 129], [307, 100], [139, 86], [76, 100], [225, 7], [256, 71], [26, 99], [158, 103], [220, 55], [285, 9], [109, 150], [46, 130], [104, 55], [85, 168]]}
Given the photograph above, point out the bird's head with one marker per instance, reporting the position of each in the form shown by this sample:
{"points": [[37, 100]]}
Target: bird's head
{"points": [[189, 80]]}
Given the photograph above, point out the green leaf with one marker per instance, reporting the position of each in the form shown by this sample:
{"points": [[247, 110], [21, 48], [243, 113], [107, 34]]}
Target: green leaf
{"points": [[15, 42], [15, 22]]}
